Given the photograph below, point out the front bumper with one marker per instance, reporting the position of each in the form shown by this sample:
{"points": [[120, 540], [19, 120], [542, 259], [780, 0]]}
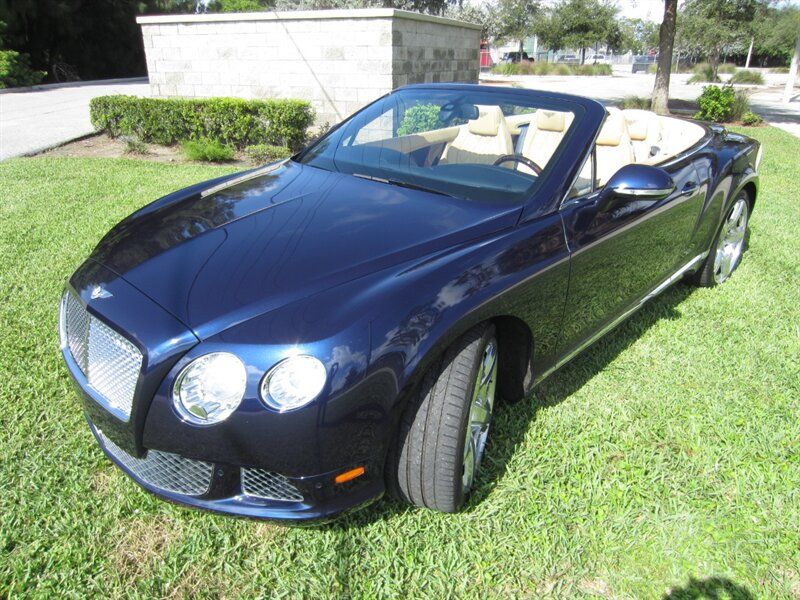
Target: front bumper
{"points": [[224, 489], [257, 463]]}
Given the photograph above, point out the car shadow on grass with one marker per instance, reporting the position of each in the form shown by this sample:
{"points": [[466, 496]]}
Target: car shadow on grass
{"points": [[513, 419], [710, 588]]}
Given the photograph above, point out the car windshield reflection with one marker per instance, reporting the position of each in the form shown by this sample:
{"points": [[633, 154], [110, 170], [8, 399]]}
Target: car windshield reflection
{"points": [[485, 146]]}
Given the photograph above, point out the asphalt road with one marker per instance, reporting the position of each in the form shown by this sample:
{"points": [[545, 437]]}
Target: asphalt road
{"points": [[38, 119]]}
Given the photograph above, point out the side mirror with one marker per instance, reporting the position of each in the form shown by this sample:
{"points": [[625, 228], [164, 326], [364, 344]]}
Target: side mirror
{"points": [[636, 182]]}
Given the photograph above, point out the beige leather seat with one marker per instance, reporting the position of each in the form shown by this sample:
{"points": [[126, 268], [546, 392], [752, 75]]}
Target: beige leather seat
{"points": [[644, 128], [482, 140], [544, 135], [613, 149]]}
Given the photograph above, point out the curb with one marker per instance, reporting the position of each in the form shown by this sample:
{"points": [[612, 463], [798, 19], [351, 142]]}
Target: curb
{"points": [[54, 86], [43, 149]]}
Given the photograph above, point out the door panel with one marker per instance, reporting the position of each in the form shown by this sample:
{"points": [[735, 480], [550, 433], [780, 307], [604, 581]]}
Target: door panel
{"points": [[620, 255]]}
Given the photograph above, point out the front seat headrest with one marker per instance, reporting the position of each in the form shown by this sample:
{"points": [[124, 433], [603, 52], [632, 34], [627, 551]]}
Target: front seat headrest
{"points": [[551, 120], [488, 121]]}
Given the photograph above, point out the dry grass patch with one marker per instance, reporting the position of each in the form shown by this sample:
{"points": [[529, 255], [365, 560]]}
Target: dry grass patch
{"points": [[142, 541]]}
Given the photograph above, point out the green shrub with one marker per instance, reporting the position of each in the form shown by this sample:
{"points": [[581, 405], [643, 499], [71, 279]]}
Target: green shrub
{"points": [[16, 71], [208, 150], [545, 68], [422, 117], [751, 119], [230, 121], [726, 68], [635, 102], [716, 103], [741, 105], [745, 76], [265, 153], [703, 73], [134, 146], [779, 70]]}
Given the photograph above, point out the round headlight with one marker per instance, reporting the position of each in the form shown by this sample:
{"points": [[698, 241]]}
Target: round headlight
{"points": [[293, 383], [210, 388]]}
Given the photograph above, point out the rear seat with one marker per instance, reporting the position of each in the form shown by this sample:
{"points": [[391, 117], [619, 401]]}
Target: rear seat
{"points": [[645, 130]]}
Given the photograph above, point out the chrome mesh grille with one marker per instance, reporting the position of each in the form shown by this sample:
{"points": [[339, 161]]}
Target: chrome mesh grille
{"points": [[164, 470], [110, 362], [75, 322], [269, 485]]}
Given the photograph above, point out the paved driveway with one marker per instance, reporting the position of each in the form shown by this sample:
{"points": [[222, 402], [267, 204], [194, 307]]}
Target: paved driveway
{"points": [[766, 100], [37, 119]]}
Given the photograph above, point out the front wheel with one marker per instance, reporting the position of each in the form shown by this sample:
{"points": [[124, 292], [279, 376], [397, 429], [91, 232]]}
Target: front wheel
{"points": [[444, 429], [729, 245]]}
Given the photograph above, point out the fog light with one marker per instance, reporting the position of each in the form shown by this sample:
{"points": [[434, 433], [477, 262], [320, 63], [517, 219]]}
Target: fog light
{"points": [[293, 383]]}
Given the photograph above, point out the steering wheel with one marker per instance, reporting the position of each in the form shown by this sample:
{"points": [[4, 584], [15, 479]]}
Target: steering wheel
{"points": [[518, 158]]}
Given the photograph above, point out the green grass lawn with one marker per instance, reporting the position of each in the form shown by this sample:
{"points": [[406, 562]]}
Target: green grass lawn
{"points": [[663, 462]]}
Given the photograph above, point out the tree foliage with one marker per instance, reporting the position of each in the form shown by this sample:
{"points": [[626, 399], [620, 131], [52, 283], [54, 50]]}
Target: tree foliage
{"points": [[708, 27], [86, 38], [516, 19], [580, 24], [238, 5], [775, 31], [484, 14], [434, 7], [637, 35]]}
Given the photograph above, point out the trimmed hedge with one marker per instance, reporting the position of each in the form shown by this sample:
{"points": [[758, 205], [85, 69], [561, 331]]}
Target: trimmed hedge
{"points": [[265, 153], [231, 121]]}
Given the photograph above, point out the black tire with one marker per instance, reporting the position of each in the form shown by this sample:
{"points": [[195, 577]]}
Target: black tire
{"points": [[426, 463], [704, 277]]}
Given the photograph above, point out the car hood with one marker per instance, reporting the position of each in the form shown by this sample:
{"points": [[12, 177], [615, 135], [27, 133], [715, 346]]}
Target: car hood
{"points": [[253, 243]]}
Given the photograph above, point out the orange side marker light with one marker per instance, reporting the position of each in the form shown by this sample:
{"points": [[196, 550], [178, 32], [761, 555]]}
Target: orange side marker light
{"points": [[349, 475]]}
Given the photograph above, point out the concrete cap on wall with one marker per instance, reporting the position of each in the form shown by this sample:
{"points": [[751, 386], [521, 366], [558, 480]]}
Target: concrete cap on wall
{"points": [[296, 15]]}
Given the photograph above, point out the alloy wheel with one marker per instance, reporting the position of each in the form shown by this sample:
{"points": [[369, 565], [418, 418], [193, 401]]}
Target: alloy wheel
{"points": [[731, 241], [480, 414]]}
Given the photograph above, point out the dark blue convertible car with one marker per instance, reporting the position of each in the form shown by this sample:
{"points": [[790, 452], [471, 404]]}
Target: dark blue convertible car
{"points": [[293, 341]]}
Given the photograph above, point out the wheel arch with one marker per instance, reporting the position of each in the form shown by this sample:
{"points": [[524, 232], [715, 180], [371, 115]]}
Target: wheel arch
{"points": [[752, 190]]}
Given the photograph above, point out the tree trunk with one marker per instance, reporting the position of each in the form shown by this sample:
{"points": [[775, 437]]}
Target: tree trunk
{"points": [[521, 49], [713, 62], [749, 52], [666, 39], [789, 89]]}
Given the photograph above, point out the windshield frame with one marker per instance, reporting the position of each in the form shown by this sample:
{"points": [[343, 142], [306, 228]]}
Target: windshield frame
{"points": [[544, 195]]}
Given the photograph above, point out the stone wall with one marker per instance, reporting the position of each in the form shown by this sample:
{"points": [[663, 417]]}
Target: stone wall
{"points": [[339, 60]]}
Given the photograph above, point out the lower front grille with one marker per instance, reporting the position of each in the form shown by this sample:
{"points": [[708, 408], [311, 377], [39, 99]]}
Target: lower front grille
{"points": [[268, 485], [164, 470]]}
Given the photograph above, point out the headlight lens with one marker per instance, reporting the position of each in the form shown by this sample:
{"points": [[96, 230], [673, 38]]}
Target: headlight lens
{"points": [[293, 383], [210, 388]]}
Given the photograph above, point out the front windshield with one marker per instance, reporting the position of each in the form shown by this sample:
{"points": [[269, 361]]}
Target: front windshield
{"points": [[480, 145]]}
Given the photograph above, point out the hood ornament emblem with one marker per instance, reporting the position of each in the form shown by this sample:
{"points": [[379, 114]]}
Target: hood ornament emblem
{"points": [[99, 292]]}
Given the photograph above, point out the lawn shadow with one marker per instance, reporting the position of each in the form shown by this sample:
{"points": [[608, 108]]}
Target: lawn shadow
{"points": [[513, 420], [711, 588]]}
